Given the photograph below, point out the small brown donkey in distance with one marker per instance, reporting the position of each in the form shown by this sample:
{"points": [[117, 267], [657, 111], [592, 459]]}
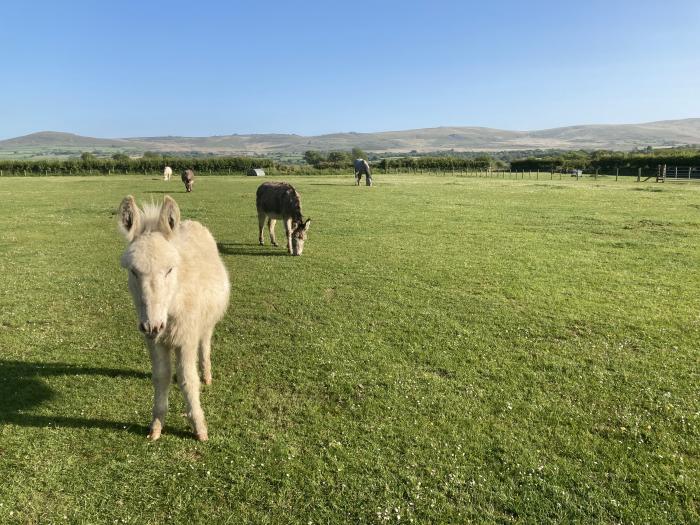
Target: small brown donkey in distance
{"points": [[188, 178], [279, 200]]}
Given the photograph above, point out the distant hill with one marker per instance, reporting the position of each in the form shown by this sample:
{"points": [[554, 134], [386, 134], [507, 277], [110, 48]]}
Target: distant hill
{"points": [[57, 139], [615, 137]]}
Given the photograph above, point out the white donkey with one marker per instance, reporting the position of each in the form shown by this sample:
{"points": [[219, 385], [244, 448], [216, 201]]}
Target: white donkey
{"points": [[181, 290], [167, 173]]}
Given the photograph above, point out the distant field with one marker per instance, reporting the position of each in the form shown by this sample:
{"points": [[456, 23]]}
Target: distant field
{"points": [[62, 153], [446, 350]]}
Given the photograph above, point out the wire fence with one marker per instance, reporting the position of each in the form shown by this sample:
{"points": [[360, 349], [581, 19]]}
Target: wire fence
{"points": [[660, 173], [675, 173]]}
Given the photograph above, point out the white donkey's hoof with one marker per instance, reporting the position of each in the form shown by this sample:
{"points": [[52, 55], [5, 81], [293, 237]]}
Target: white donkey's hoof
{"points": [[201, 436], [154, 430]]}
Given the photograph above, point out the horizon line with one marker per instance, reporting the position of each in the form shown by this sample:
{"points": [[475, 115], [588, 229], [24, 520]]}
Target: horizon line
{"points": [[444, 126]]}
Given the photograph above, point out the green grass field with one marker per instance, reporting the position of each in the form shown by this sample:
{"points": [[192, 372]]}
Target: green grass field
{"points": [[447, 350]]}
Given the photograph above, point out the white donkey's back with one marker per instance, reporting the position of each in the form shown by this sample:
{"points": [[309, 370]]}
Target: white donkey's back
{"points": [[204, 284]]}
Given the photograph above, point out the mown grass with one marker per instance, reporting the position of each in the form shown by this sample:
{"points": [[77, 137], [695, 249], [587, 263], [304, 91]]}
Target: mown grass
{"points": [[447, 350]]}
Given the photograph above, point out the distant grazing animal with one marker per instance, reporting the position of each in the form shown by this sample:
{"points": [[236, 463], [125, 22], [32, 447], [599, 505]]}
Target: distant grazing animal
{"points": [[362, 167], [188, 179], [279, 200], [181, 290], [167, 173]]}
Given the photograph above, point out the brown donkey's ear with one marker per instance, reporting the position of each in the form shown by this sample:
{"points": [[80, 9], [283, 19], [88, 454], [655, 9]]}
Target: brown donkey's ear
{"points": [[129, 218], [169, 216]]}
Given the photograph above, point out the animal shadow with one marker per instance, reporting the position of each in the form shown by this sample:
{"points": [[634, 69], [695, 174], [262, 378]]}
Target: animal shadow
{"points": [[22, 389], [236, 248]]}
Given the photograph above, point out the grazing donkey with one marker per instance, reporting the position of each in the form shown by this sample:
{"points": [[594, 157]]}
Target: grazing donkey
{"points": [[362, 167], [188, 179], [167, 173], [181, 290], [279, 200]]}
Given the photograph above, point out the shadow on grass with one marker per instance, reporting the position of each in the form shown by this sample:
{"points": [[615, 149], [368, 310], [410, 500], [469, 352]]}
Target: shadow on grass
{"points": [[22, 389], [233, 248]]}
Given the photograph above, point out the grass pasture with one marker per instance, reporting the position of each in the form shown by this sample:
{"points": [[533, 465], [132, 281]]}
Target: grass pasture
{"points": [[447, 350]]}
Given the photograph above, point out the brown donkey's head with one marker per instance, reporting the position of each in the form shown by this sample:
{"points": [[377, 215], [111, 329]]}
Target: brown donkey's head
{"points": [[299, 236]]}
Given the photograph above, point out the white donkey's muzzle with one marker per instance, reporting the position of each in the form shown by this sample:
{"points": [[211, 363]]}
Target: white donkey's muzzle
{"points": [[151, 329]]}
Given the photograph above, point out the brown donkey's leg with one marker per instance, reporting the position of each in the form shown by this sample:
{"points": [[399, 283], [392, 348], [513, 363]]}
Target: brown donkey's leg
{"points": [[261, 225], [288, 230], [271, 227]]}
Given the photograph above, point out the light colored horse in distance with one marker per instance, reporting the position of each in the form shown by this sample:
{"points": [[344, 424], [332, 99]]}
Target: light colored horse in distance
{"points": [[279, 200], [181, 290], [362, 167], [167, 173]]}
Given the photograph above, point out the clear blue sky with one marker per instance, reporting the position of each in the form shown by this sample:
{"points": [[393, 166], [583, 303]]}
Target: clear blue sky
{"points": [[128, 68]]}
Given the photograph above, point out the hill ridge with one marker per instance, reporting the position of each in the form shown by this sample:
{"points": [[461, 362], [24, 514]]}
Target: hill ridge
{"points": [[459, 138]]}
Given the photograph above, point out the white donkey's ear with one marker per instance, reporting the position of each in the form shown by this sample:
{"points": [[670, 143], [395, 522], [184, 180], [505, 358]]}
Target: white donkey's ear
{"points": [[129, 218], [307, 224], [169, 216]]}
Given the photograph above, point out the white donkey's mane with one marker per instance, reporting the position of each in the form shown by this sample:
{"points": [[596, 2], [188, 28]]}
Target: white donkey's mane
{"points": [[151, 216], [148, 218]]}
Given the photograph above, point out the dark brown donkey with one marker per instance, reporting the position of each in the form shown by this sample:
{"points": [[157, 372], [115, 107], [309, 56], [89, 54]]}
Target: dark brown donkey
{"points": [[188, 179], [279, 200]]}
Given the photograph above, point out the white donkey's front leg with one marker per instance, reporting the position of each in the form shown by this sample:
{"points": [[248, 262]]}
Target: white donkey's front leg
{"points": [[160, 375], [188, 379]]}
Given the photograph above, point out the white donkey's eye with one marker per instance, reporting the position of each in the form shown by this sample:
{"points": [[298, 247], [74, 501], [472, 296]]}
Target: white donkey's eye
{"points": [[168, 272]]}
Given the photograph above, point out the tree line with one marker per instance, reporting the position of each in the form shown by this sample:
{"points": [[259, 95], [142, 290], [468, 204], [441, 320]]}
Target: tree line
{"points": [[446, 164], [344, 160], [609, 160], [334, 161], [120, 163]]}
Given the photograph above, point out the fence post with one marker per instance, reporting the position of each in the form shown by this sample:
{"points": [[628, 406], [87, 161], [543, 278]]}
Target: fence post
{"points": [[617, 172], [639, 174]]}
